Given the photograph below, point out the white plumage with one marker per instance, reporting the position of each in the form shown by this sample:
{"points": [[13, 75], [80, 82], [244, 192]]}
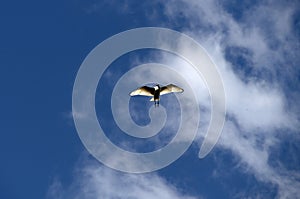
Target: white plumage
{"points": [[156, 91]]}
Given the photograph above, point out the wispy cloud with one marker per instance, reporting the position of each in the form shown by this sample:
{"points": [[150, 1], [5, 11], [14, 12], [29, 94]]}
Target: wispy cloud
{"points": [[257, 104], [92, 180], [257, 55]]}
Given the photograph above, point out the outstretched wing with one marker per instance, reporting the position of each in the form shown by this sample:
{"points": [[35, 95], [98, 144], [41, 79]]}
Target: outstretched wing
{"points": [[144, 90], [171, 88]]}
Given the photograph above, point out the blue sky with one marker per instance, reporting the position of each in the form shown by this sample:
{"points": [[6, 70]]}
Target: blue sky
{"points": [[255, 45]]}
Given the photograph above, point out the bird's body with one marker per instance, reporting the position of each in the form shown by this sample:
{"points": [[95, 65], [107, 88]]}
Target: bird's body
{"points": [[156, 91]]}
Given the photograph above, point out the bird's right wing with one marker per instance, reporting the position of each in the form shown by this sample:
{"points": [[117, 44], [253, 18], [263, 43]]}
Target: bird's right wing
{"points": [[171, 88], [144, 90]]}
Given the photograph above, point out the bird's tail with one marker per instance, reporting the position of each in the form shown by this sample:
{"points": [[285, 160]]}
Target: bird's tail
{"points": [[156, 101]]}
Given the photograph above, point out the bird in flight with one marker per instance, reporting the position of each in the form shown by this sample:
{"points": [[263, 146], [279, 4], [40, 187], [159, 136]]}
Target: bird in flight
{"points": [[156, 91]]}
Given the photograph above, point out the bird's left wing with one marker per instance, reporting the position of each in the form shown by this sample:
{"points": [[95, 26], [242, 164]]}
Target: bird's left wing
{"points": [[144, 90], [171, 88]]}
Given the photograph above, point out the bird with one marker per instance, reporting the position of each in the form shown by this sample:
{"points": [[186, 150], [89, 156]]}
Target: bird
{"points": [[156, 91]]}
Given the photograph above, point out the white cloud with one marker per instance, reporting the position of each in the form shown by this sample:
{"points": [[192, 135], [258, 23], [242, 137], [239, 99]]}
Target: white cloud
{"points": [[92, 180], [257, 108]]}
